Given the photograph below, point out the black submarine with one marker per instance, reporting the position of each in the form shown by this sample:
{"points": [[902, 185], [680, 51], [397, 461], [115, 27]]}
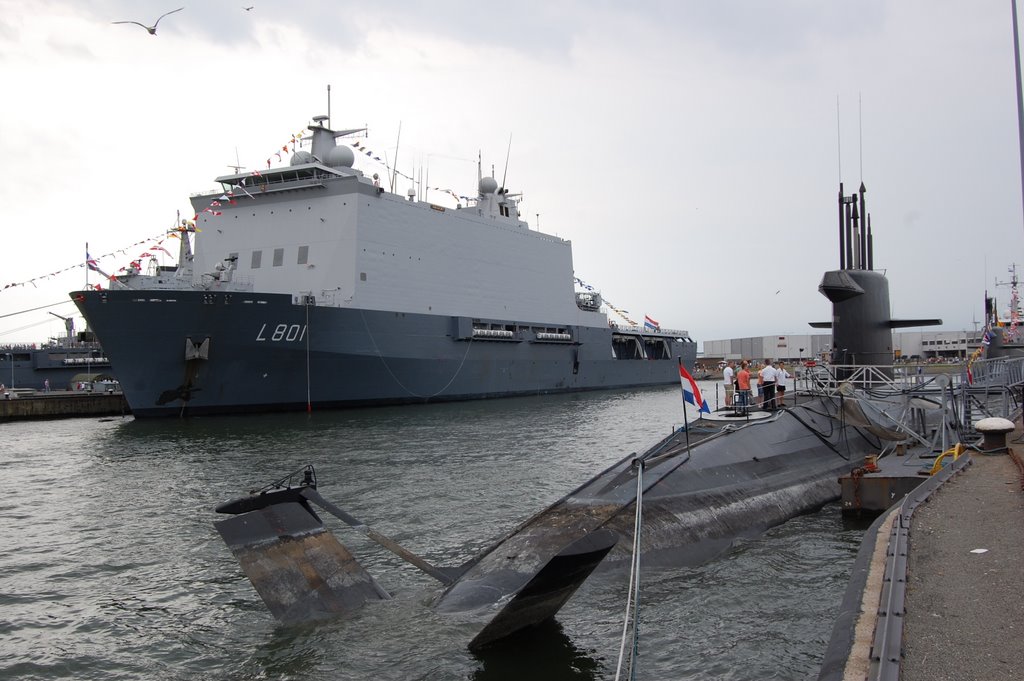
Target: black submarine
{"points": [[728, 475]]}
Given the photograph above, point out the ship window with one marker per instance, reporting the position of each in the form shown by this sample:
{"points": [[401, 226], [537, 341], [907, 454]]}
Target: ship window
{"points": [[278, 257], [257, 258], [303, 255]]}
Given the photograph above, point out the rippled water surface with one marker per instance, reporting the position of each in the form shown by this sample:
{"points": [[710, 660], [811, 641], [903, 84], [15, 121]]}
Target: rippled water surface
{"points": [[111, 567]]}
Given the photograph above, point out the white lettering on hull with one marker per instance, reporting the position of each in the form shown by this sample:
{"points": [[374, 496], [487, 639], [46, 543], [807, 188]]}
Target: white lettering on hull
{"points": [[288, 333]]}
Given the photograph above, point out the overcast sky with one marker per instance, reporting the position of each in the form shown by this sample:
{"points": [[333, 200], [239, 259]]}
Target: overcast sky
{"points": [[690, 150]]}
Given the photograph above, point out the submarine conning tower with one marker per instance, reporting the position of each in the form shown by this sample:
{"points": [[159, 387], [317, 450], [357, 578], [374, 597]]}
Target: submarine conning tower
{"points": [[862, 321]]}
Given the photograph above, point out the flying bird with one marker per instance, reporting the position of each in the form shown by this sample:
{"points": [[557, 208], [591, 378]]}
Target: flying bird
{"points": [[151, 29], [248, 8]]}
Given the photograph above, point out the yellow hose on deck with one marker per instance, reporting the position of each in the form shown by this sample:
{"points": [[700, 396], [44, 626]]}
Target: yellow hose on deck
{"points": [[956, 451]]}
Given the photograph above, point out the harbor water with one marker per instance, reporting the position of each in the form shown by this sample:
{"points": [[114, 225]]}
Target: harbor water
{"points": [[112, 569]]}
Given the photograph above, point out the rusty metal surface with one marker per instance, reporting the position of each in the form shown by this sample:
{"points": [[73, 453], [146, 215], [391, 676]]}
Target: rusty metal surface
{"points": [[300, 570], [874, 494]]}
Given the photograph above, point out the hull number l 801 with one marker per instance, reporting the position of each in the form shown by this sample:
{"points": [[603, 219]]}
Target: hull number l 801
{"points": [[282, 332]]}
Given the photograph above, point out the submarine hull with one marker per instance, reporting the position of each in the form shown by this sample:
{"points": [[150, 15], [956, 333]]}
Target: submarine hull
{"points": [[697, 499]]}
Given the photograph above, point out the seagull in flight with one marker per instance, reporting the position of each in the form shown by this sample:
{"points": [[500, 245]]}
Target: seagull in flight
{"points": [[151, 29]]}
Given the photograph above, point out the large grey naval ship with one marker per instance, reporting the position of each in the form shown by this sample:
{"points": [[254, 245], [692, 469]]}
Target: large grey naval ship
{"points": [[310, 286]]}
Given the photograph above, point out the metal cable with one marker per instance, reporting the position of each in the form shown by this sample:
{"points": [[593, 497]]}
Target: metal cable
{"points": [[380, 356], [633, 596]]}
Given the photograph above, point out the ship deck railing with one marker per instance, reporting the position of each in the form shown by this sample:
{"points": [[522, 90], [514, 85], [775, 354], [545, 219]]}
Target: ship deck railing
{"points": [[989, 387], [829, 379], [999, 372], [647, 331]]}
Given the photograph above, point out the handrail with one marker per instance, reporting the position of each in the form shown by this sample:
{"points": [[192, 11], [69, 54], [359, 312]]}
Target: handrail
{"points": [[999, 372], [828, 378]]}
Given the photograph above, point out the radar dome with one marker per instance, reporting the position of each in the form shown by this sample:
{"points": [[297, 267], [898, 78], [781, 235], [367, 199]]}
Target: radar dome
{"points": [[301, 156], [488, 185], [340, 157]]}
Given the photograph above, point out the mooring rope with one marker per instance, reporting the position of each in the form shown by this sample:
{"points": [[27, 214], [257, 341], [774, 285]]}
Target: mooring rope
{"points": [[633, 597], [401, 385], [309, 396]]}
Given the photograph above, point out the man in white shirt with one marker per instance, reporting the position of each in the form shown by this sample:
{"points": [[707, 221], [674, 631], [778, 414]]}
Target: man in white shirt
{"points": [[729, 376], [781, 376], [767, 375]]}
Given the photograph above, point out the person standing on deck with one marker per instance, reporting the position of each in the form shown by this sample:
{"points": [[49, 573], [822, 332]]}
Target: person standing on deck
{"points": [[766, 377], [781, 376], [729, 376], [743, 386], [760, 385]]}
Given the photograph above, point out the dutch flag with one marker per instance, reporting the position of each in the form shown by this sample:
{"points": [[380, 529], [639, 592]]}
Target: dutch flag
{"points": [[691, 393], [650, 323]]}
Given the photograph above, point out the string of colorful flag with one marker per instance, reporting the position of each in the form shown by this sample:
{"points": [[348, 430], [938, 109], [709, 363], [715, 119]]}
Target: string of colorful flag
{"points": [[93, 262], [622, 313], [975, 356], [229, 196], [226, 197], [360, 146], [294, 142], [986, 339]]}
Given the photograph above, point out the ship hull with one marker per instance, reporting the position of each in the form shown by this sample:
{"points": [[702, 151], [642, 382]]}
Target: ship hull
{"points": [[196, 352]]}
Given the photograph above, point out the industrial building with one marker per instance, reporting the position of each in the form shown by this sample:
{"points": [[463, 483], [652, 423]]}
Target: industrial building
{"points": [[797, 347]]}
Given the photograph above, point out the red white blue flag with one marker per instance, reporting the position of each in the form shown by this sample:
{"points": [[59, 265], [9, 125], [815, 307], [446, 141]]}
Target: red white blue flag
{"points": [[691, 393], [650, 323], [93, 265]]}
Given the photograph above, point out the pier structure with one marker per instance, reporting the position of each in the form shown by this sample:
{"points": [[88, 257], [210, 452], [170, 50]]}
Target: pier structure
{"points": [[934, 592]]}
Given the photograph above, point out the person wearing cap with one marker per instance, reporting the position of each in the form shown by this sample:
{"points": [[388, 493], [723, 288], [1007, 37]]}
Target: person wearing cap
{"points": [[729, 376]]}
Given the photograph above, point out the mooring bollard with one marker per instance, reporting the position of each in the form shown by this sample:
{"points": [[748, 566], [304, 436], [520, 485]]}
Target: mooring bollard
{"points": [[994, 431]]}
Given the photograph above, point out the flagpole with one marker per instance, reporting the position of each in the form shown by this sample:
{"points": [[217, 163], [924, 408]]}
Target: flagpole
{"points": [[86, 265], [682, 389]]}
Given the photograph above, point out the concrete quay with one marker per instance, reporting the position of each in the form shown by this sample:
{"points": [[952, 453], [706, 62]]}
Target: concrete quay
{"points": [[936, 591], [964, 601]]}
